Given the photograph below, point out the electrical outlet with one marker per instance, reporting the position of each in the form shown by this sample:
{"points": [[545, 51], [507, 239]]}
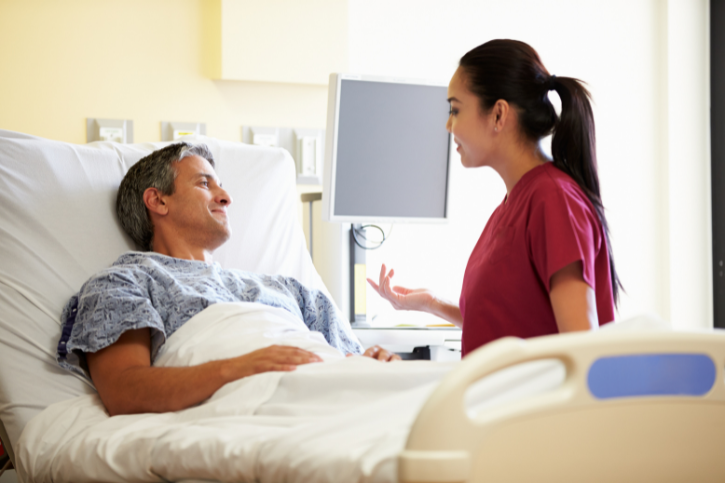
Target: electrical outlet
{"points": [[306, 146], [113, 134], [309, 155], [269, 140], [114, 130], [264, 136], [172, 131]]}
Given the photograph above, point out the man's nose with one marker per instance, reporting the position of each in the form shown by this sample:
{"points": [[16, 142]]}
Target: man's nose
{"points": [[448, 124], [223, 198]]}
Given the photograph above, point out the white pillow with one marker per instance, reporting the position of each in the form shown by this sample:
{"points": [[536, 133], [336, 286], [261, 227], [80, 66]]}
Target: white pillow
{"points": [[267, 235], [58, 227]]}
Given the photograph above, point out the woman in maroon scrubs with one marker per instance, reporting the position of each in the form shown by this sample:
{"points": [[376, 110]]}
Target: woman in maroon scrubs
{"points": [[543, 263]]}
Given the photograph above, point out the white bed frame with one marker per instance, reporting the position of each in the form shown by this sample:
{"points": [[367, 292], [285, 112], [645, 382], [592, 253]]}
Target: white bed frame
{"points": [[567, 434]]}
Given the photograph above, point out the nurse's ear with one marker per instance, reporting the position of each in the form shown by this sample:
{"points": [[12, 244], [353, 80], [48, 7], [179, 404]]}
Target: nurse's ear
{"points": [[499, 114]]}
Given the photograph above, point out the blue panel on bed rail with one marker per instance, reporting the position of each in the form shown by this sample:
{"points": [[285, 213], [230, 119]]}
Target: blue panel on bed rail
{"points": [[651, 375]]}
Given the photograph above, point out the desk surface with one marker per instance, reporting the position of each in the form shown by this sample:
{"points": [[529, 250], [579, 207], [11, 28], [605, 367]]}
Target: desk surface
{"points": [[407, 336], [406, 328]]}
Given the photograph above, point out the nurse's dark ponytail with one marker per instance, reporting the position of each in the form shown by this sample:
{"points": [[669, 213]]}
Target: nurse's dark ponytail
{"points": [[512, 71]]}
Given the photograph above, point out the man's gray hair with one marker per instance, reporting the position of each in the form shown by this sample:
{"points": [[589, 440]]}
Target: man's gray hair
{"points": [[152, 171]]}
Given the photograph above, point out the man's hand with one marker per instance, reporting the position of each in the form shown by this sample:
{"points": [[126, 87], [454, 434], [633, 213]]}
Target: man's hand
{"points": [[379, 354], [128, 384], [269, 359]]}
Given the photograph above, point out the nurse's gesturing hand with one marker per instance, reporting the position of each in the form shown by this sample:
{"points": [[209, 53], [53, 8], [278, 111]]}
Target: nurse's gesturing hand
{"points": [[421, 299], [400, 297]]}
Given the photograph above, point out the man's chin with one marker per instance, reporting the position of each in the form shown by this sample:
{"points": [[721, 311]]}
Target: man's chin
{"points": [[221, 234]]}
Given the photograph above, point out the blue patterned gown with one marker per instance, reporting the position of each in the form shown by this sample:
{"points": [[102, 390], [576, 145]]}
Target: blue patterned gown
{"points": [[147, 289]]}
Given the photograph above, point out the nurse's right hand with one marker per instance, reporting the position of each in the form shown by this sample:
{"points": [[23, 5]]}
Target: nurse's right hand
{"points": [[400, 297]]}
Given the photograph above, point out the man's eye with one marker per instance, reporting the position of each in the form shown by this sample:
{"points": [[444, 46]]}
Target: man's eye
{"points": [[452, 111]]}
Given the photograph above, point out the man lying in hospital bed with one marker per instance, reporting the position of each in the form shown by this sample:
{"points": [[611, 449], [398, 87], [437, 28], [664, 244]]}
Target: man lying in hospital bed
{"points": [[342, 420], [348, 419], [172, 204]]}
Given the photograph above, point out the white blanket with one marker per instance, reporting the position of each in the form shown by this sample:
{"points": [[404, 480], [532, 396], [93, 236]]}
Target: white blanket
{"points": [[344, 419]]}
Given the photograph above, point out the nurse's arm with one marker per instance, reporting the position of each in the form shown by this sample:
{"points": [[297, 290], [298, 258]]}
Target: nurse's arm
{"points": [[573, 300], [446, 311]]}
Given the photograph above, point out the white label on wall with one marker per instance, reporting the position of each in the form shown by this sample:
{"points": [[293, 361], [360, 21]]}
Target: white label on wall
{"points": [[261, 139], [113, 134]]}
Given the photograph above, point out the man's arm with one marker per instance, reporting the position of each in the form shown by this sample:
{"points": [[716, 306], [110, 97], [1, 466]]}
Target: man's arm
{"points": [[128, 384]]}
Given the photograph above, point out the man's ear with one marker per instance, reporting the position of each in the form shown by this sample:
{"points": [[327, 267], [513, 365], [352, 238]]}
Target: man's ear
{"points": [[154, 201]]}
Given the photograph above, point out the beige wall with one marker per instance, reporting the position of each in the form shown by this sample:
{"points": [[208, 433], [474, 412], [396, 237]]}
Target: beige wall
{"points": [[645, 62], [145, 60]]}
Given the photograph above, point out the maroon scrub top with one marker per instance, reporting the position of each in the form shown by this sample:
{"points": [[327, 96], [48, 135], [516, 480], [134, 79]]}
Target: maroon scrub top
{"points": [[546, 223]]}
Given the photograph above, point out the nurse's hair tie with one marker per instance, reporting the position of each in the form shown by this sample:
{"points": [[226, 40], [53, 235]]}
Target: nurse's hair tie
{"points": [[551, 85]]}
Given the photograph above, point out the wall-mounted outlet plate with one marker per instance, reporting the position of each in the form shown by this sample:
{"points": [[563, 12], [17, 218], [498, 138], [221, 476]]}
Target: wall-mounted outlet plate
{"points": [[114, 130], [171, 131], [267, 136], [307, 147], [309, 154]]}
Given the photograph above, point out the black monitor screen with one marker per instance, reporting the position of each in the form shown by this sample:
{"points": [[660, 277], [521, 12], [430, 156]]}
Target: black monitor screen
{"points": [[392, 150]]}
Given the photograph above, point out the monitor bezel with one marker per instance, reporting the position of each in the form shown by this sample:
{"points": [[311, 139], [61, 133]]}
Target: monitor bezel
{"points": [[329, 171]]}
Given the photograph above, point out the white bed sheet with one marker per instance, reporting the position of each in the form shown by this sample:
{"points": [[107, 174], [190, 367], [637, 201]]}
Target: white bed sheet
{"points": [[344, 419]]}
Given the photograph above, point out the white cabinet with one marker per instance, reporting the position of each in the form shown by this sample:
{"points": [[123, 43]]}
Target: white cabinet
{"points": [[278, 40]]}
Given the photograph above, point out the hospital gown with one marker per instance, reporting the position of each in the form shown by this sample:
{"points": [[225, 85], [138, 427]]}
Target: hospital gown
{"points": [[150, 290]]}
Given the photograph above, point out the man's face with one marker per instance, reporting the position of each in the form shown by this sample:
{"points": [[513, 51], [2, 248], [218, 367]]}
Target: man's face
{"points": [[198, 207]]}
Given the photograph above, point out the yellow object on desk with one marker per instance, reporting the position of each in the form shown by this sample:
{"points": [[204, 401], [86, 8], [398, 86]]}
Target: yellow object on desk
{"points": [[440, 325]]}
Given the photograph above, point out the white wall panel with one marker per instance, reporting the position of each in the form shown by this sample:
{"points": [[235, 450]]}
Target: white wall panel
{"points": [[688, 197], [617, 48]]}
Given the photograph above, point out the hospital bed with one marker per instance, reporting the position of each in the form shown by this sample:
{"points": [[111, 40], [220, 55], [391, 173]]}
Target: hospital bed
{"points": [[638, 402]]}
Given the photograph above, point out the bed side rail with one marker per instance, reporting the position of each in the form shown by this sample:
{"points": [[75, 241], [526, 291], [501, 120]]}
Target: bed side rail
{"points": [[612, 379]]}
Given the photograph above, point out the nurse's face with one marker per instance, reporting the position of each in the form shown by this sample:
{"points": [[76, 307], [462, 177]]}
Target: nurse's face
{"points": [[472, 129]]}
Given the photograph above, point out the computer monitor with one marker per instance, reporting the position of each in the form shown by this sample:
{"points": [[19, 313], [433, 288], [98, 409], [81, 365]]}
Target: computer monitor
{"points": [[387, 153]]}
